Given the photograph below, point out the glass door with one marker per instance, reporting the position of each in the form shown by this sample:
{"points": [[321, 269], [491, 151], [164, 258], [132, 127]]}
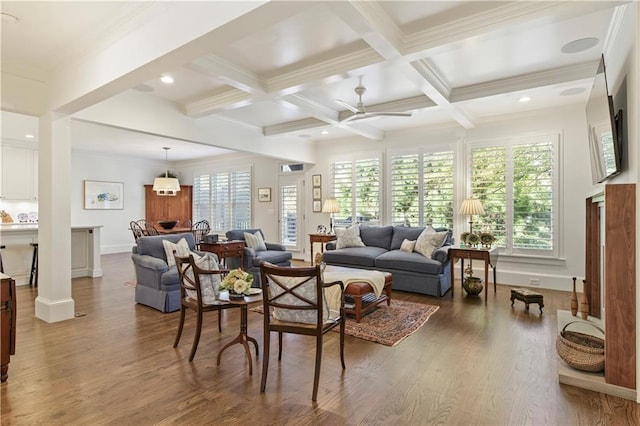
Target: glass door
{"points": [[291, 211]]}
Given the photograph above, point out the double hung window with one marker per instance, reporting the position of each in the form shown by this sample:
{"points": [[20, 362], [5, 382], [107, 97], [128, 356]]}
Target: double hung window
{"points": [[224, 199]]}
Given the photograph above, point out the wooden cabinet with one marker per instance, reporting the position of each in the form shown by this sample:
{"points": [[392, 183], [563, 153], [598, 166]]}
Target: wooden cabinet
{"points": [[162, 207], [7, 322], [19, 172]]}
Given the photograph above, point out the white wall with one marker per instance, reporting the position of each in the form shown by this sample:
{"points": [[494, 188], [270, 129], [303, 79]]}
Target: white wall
{"points": [[133, 172]]}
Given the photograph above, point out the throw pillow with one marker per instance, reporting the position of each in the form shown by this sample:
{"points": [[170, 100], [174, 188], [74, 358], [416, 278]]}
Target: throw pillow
{"points": [[349, 237], [428, 241], [181, 248], [408, 246], [308, 290], [255, 241], [209, 283]]}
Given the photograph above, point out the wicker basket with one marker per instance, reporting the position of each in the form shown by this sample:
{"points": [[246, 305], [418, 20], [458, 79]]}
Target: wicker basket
{"points": [[581, 351]]}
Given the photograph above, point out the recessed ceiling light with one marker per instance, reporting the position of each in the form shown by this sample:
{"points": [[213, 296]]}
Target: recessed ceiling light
{"points": [[29, 136], [524, 99], [167, 79], [9, 18], [573, 91], [324, 132], [579, 45]]}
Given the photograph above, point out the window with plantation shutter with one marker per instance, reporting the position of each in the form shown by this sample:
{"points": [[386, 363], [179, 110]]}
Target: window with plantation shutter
{"points": [[223, 199], [289, 214], [422, 189], [517, 184], [356, 186]]}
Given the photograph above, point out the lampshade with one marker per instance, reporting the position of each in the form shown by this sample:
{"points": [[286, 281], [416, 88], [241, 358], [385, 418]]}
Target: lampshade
{"points": [[471, 206], [166, 185], [330, 206]]}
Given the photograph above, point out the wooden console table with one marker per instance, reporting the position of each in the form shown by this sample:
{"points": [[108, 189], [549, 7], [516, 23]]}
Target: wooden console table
{"points": [[8, 322], [225, 249], [490, 257], [322, 239]]}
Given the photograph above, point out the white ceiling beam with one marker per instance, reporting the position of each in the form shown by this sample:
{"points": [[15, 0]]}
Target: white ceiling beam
{"points": [[312, 108], [229, 73], [229, 99], [292, 126], [525, 81]]}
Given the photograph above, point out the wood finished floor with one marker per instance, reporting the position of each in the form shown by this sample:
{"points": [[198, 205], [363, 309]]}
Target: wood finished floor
{"points": [[470, 364]]}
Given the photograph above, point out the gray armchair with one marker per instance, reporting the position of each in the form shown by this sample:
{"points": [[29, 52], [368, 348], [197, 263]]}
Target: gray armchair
{"points": [[158, 285], [275, 254]]}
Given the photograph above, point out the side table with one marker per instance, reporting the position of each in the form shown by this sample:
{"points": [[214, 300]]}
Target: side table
{"points": [[225, 249], [490, 257], [322, 239]]}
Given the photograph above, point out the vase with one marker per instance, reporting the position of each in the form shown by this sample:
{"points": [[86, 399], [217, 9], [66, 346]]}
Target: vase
{"points": [[472, 285], [584, 303], [234, 295]]}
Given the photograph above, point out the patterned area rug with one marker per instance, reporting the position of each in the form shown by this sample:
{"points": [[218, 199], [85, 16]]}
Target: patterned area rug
{"points": [[387, 325]]}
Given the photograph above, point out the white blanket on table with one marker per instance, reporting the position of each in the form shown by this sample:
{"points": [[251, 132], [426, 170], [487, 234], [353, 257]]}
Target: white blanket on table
{"points": [[348, 276]]}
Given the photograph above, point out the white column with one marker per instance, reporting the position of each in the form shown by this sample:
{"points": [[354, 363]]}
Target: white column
{"points": [[54, 302]]}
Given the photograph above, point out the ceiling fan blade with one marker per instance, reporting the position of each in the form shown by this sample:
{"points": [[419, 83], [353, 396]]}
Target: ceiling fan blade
{"points": [[389, 114], [354, 116], [346, 105]]}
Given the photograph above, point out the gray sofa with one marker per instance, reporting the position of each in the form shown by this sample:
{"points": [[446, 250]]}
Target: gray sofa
{"points": [[275, 254], [158, 285], [411, 271]]}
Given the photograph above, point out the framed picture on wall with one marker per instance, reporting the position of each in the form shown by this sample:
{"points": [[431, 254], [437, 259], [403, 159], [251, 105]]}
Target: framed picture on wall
{"points": [[317, 206], [264, 195], [316, 180], [99, 195], [317, 193]]}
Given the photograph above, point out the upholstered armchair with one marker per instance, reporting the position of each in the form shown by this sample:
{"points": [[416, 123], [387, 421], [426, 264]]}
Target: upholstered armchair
{"points": [[157, 280], [273, 253]]}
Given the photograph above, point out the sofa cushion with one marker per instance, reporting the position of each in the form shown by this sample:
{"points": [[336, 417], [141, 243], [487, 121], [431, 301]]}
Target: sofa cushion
{"points": [[408, 246], [238, 234], [349, 237], [255, 241], [356, 256], [412, 262], [401, 233], [181, 248], [272, 256], [429, 240], [152, 245], [376, 236]]}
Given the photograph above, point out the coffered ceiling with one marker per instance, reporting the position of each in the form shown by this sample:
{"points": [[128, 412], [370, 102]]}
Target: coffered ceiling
{"points": [[281, 70]]}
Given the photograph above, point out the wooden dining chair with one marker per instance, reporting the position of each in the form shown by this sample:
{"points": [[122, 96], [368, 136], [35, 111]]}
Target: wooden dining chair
{"points": [[192, 281], [137, 230], [294, 302], [148, 227]]}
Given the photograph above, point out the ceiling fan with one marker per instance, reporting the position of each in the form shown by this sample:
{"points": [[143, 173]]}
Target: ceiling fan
{"points": [[359, 111]]}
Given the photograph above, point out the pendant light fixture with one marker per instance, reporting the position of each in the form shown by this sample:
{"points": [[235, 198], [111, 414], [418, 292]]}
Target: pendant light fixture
{"points": [[166, 185]]}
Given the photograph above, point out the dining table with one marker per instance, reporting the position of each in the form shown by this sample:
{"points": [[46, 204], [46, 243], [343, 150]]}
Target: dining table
{"points": [[175, 230]]}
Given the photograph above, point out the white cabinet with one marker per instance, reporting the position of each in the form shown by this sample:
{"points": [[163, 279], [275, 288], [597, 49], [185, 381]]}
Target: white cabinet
{"points": [[19, 179]]}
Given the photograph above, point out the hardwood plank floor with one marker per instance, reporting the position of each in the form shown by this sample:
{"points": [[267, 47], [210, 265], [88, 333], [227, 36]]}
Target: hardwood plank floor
{"points": [[470, 364]]}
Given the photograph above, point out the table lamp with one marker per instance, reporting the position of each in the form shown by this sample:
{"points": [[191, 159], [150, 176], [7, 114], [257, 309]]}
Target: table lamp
{"points": [[330, 206], [471, 207]]}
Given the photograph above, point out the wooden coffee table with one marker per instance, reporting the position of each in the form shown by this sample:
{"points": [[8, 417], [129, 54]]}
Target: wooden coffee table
{"points": [[365, 299]]}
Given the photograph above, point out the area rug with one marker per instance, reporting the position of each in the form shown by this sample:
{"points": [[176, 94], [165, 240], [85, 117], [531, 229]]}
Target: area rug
{"points": [[131, 284], [387, 325]]}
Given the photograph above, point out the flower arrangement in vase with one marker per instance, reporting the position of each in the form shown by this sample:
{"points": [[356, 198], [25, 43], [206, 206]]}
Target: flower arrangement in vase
{"points": [[237, 282], [472, 239]]}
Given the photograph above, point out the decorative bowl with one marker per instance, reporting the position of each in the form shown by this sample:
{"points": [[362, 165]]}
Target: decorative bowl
{"points": [[168, 224]]}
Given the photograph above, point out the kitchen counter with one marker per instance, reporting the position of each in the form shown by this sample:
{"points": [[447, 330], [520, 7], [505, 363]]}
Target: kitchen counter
{"points": [[18, 254]]}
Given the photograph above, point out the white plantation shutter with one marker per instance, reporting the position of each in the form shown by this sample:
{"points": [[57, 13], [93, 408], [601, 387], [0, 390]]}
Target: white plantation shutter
{"points": [[289, 214], [437, 190], [356, 186], [422, 190], [223, 199], [517, 184]]}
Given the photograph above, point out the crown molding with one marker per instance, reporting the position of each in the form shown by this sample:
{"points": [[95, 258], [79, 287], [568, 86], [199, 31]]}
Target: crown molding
{"points": [[229, 99], [229, 73]]}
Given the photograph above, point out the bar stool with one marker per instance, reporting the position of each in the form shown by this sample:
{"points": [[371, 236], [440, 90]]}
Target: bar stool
{"points": [[1, 265], [34, 266]]}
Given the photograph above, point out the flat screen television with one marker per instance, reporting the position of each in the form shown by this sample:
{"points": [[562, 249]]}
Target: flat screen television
{"points": [[604, 138]]}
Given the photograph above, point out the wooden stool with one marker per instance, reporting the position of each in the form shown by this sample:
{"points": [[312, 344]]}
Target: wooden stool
{"points": [[527, 296], [34, 266]]}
